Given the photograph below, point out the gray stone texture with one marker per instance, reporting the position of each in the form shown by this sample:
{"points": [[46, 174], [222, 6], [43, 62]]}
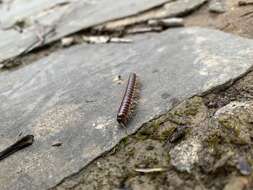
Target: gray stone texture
{"points": [[71, 96], [67, 17]]}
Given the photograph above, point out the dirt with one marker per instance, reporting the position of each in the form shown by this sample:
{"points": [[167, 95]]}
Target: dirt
{"points": [[237, 19]]}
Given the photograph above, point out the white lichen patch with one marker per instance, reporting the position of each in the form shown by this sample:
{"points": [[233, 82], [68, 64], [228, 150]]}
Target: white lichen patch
{"points": [[236, 120], [56, 119], [185, 154], [229, 109], [102, 123]]}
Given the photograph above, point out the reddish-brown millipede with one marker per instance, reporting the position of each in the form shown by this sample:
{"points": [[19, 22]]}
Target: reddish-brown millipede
{"points": [[129, 100]]}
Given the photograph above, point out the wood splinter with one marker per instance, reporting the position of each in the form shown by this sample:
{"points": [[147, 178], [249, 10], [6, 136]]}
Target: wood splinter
{"points": [[129, 100]]}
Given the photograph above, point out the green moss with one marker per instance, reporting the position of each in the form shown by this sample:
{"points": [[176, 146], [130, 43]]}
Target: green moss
{"points": [[235, 131], [131, 152], [214, 140], [190, 107], [230, 124], [167, 133], [188, 111]]}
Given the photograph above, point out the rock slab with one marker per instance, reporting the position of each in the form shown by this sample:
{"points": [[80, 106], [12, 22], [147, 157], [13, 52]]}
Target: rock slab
{"points": [[56, 19], [62, 16], [72, 97]]}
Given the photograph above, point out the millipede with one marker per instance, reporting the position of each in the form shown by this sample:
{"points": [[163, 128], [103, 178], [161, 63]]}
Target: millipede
{"points": [[129, 100]]}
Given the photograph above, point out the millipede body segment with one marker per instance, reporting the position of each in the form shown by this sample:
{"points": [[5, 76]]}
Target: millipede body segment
{"points": [[129, 100]]}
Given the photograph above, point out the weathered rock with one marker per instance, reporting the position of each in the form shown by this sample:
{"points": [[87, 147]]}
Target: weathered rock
{"points": [[192, 111], [237, 183], [65, 17], [169, 22], [236, 118], [217, 6], [71, 96], [185, 154], [243, 166], [183, 7], [170, 9]]}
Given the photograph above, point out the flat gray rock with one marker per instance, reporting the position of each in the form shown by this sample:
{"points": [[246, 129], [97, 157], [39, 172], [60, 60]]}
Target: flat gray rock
{"points": [[72, 97], [66, 17], [217, 6]]}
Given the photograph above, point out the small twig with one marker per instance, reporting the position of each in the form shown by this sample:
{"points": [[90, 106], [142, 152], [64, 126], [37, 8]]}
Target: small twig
{"points": [[167, 23], [144, 29], [244, 3], [20, 144], [246, 14], [150, 170], [105, 39], [225, 27]]}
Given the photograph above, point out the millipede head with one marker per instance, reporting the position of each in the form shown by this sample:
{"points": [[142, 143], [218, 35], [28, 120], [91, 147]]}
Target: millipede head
{"points": [[121, 120]]}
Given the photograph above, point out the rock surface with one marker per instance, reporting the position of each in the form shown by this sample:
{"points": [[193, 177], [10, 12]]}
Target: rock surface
{"points": [[217, 6], [63, 17], [71, 97], [236, 119]]}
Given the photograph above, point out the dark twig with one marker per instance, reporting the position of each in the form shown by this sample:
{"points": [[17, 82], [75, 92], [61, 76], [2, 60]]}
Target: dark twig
{"points": [[20, 144], [244, 3], [247, 14]]}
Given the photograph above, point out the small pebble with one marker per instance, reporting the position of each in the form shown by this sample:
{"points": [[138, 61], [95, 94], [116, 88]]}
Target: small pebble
{"points": [[217, 6], [57, 143], [68, 41], [243, 166], [96, 39]]}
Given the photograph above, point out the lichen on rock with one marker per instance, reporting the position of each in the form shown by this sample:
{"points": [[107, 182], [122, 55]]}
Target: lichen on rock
{"points": [[235, 120], [185, 155], [191, 111]]}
